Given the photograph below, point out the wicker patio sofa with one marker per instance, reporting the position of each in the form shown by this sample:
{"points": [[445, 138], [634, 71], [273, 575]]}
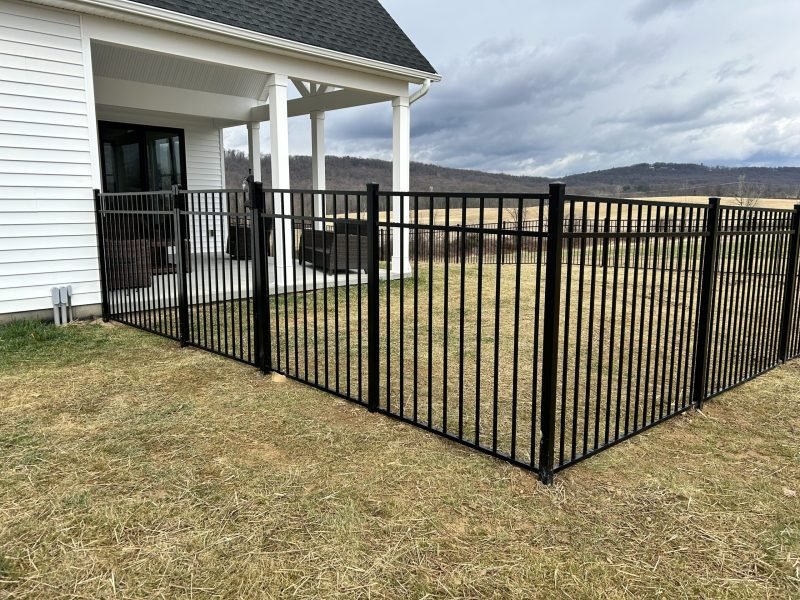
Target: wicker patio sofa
{"points": [[345, 248], [141, 246], [129, 264], [239, 244]]}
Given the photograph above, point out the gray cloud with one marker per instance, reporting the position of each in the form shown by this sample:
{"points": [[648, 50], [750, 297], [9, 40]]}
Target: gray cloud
{"points": [[667, 112], [670, 82], [734, 69], [645, 10], [784, 75], [583, 89]]}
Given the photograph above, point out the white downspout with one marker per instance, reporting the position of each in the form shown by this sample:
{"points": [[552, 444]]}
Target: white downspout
{"points": [[423, 91]]}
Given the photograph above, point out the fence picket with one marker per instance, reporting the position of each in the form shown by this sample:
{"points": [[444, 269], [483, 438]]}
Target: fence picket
{"points": [[788, 318]]}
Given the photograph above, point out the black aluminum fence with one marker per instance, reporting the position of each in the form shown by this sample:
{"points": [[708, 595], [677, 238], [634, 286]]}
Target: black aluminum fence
{"points": [[461, 345], [756, 250], [441, 246], [316, 316], [541, 340], [137, 235], [627, 308]]}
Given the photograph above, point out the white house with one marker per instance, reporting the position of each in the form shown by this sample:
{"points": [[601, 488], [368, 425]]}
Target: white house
{"points": [[125, 95]]}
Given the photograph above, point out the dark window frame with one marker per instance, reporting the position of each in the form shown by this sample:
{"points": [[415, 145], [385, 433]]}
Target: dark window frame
{"points": [[141, 131]]}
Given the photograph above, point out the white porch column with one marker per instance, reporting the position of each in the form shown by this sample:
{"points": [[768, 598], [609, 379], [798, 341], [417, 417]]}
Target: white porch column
{"points": [[254, 148], [401, 181], [318, 162], [279, 138]]}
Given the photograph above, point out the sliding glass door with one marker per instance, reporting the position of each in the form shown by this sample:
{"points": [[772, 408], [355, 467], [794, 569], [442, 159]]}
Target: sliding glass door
{"points": [[137, 158]]}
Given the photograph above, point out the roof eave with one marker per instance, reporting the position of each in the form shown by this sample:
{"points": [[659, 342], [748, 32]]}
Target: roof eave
{"points": [[144, 14]]}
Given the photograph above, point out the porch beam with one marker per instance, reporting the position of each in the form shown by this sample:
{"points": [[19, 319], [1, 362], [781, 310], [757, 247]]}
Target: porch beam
{"points": [[322, 102], [159, 98], [401, 182], [318, 163], [279, 139]]}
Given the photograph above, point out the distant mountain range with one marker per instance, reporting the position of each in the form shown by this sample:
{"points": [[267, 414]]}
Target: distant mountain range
{"points": [[658, 179]]}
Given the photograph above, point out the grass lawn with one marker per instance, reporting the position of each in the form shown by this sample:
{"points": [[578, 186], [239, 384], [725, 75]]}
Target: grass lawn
{"points": [[625, 337], [132, 468]]}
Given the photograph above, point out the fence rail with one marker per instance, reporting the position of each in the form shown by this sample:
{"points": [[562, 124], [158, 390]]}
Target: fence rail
{"points": [[540, 329]]}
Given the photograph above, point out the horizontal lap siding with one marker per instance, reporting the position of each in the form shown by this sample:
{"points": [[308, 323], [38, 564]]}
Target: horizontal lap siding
{"points": [[47, 231], [204, 172], [46, 210]]}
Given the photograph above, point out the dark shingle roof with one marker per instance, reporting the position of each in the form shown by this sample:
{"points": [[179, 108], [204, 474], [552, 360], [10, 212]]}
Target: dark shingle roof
{"points": [[358, 27]]}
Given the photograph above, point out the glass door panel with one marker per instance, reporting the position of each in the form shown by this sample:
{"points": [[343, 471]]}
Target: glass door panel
{"points": [[137, 158], [163, 160], [122, 160]]}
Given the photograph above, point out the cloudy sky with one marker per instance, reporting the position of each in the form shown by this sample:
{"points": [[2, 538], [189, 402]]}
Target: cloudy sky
{"points": [[542, 88]]}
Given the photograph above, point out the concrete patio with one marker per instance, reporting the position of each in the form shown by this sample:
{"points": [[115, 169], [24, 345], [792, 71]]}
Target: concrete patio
{"points": [[215, 278]]}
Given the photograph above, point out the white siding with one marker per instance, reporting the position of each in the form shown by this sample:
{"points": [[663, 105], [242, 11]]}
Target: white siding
{"points": [[47, 133], [47, 232]]}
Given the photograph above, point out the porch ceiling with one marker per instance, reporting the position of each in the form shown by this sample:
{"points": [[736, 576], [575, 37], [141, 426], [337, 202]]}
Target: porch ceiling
{"points": [[132, 64], [141, 79]]}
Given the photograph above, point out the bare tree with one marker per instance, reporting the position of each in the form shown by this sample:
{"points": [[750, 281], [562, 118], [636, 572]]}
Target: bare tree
{"points": [[515, 213], [747, 194]]}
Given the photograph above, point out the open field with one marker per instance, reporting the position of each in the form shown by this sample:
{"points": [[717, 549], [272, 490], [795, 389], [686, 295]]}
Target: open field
{"points": [[531, 212], [132, 468], [727, 200]]}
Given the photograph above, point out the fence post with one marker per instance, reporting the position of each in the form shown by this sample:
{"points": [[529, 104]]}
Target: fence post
{"points": [[101, 255], [179, 206], [373, 297], [552, 319], [262, 339], [791, 282], [701, 355]]}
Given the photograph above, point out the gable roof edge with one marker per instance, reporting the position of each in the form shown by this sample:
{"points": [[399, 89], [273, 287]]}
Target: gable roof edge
{"points": [[136, 12]]}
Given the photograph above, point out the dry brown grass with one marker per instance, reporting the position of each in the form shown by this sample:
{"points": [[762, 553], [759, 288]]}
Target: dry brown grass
{"points": [[531, 212], [132, 468], [727, 200], [620, 373]]}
